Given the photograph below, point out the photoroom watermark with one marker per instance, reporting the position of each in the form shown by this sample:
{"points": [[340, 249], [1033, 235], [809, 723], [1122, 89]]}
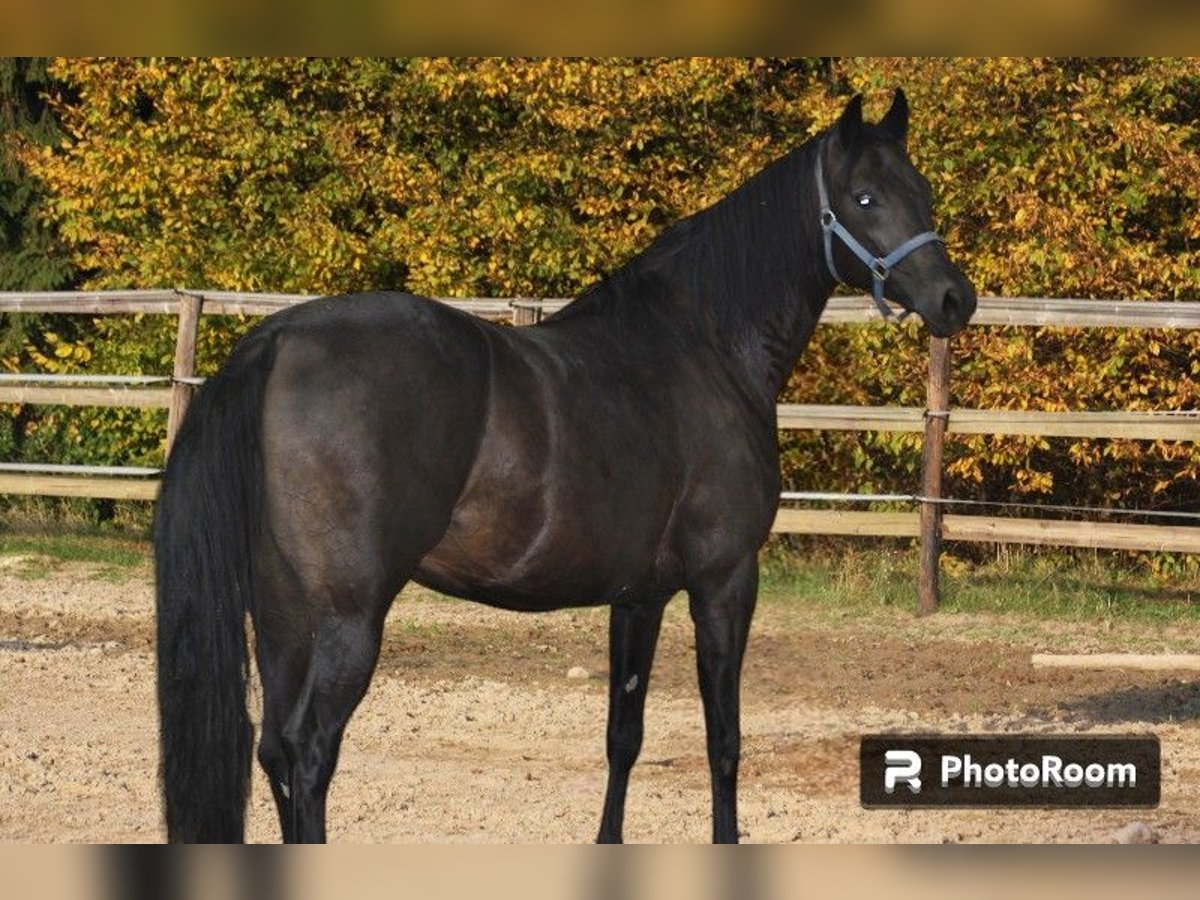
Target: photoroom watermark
{"points": [[925, 770], [1049, 771]]}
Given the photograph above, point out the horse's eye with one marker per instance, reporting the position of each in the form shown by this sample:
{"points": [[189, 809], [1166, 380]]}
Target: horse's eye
{"points": [[865, 199]]}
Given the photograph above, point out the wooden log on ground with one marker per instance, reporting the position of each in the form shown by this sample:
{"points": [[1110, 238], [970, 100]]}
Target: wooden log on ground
{"points": [[1150, 662]]}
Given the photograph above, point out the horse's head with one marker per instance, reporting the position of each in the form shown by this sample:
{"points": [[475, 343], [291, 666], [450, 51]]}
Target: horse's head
{"points": [[875, 199]]}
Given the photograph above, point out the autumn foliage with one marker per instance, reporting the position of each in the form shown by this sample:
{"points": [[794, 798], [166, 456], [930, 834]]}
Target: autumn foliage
{"points": [[507, 178]]}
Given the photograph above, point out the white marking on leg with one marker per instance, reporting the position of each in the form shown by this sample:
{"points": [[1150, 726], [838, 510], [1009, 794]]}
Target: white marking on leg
{"points": [[631, 684], [285, 790]]}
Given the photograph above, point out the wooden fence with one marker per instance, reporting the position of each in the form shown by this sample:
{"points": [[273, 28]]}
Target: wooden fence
{"points": [[935, 420]]}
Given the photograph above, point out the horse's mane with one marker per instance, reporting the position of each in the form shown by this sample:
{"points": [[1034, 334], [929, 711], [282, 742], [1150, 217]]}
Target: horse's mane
{"points": [[727, 263]]}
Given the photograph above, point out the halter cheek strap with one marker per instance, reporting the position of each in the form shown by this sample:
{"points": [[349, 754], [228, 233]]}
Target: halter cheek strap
{"points": [[879, 266]]}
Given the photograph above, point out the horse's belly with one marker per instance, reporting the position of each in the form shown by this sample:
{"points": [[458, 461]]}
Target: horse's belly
{"points": [[521, 560]]}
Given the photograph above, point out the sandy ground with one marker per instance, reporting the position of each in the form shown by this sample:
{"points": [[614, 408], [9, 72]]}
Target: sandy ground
{"points": [[472, 730]]}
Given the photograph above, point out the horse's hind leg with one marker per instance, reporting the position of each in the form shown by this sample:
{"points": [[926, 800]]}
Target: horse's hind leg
{"points": [[633, 634], [282, 667], [345, 649]]}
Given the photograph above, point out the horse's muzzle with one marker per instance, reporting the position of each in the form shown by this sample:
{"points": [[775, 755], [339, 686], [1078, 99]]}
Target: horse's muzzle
{"points": [[953, 309]]}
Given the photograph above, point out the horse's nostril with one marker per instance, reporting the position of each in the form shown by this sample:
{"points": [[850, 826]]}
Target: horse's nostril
{"points": [[951, 303]]}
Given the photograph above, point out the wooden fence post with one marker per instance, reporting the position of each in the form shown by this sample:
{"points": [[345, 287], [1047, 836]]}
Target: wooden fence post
{"points": [[526, 312], [182, 386], [937, 405]]}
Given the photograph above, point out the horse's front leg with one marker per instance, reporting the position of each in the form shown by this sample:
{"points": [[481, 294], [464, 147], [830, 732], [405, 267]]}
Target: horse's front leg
{"points": [[722, 604], [633, 634]]}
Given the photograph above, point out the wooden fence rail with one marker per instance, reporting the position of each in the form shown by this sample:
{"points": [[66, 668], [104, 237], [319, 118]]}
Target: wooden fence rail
{"points": [[993, 529], [935, 421], [1133, 425], [1061, 313]]}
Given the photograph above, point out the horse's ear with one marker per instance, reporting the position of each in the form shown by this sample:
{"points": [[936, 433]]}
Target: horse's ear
{"points": [[895, 122], [850, 124]]}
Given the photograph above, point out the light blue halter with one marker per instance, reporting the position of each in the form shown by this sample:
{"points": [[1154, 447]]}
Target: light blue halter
{"points": [[880, 266]]}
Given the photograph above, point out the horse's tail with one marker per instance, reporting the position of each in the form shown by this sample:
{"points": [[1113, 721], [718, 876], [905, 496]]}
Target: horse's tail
{"points": [[208, 514]]}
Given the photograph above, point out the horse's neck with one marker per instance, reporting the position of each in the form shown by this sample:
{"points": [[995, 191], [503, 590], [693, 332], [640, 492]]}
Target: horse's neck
{"points": [[778, 279], [746, 277], [766, 353]]}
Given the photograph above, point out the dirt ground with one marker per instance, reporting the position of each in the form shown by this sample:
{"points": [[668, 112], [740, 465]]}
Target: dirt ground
{"points": [[472, 730]]}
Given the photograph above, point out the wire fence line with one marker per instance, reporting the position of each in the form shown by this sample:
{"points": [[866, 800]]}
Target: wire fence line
{"points": [[67, 469]]}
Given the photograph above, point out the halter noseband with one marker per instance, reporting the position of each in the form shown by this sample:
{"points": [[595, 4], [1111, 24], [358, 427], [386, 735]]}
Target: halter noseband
{"points": [[880, 266]]}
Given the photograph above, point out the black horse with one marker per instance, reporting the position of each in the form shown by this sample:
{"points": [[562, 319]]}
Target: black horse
{"points": [[621, 451]]}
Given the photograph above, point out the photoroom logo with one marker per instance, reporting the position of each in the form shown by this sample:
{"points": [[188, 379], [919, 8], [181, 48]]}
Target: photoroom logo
{"points": [[903, 767], [1009, 770]]}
